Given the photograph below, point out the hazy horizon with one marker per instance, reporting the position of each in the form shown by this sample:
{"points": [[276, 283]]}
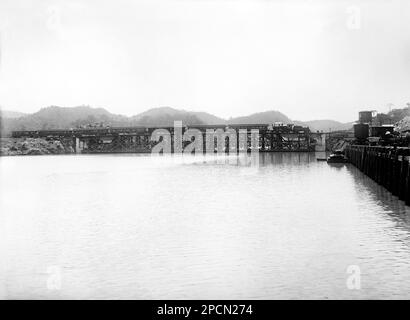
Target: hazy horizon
{"points": [[309, 60], [224, 118]]}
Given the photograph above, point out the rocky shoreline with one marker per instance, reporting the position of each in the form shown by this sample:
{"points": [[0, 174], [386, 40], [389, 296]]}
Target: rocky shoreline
{"points": [[32, 146]]}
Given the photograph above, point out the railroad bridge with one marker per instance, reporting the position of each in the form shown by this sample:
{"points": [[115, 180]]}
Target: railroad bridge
{"points": [[137, 139]]}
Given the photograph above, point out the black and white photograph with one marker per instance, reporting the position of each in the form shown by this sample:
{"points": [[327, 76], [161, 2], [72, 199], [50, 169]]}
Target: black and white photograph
{"points": [[204, 150]]}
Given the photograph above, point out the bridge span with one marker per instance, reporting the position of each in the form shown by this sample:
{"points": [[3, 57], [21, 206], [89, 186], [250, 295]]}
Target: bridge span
{"points": [[138, 139]]}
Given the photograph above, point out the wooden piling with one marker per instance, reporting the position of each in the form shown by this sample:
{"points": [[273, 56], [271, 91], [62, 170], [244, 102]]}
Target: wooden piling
{"points": [[388, 166]]}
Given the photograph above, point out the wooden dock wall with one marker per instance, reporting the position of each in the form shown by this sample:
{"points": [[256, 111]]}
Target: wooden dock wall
{"points": [[388, 166]]}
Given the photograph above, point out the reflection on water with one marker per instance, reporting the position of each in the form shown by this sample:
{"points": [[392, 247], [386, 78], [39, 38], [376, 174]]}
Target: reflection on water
{"points": [[135, 226]]}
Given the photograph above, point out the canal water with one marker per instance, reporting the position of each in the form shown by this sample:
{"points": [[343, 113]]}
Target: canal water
{"points": [[172, 227]]}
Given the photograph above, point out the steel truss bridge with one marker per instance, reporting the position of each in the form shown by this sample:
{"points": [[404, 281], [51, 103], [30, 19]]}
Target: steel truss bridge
{"points": [[138, 139]]}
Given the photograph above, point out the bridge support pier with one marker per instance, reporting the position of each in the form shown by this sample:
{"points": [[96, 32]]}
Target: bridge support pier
{"points": [[320, 142], [79, 145]]}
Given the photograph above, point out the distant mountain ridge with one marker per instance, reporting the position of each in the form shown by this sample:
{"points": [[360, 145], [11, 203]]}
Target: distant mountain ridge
{"points": [[165, 116], [261, 117], [11, 114], [326, 125], [55, 117]]}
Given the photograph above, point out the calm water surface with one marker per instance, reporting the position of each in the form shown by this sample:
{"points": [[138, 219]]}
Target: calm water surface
{"points": [[133, 226]]}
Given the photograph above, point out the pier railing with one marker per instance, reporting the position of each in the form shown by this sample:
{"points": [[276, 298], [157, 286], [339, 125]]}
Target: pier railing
{"points": [[388, 166]]}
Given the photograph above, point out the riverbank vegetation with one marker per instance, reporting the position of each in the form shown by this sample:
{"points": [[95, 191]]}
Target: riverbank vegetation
{"points": [[32, 146]]}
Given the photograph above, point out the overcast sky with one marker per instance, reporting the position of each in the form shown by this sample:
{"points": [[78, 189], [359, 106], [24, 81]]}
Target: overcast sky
{"points": [[307, 59]]}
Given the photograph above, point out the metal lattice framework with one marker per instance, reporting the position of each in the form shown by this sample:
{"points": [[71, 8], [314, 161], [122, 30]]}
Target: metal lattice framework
{"points": [[138, 139]]}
